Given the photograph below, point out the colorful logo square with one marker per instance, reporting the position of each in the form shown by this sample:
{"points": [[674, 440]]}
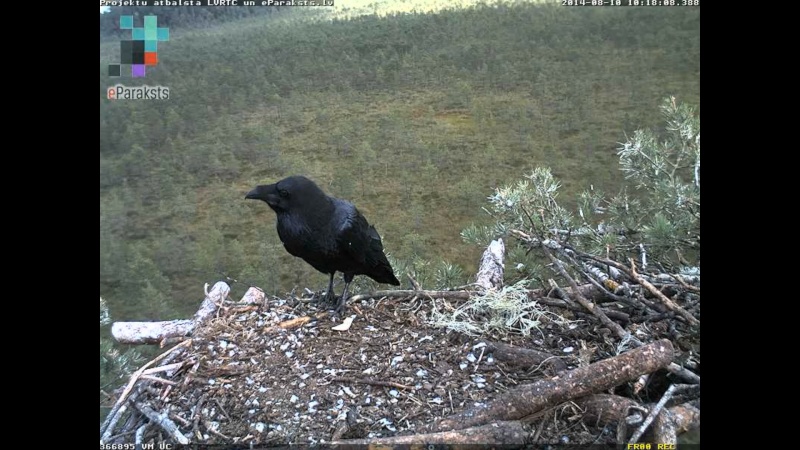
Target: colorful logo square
{"points": [[142, 49]]}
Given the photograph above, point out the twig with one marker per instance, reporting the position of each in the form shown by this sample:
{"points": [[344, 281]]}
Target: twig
{"points": [[133, 380], [372, 382], [539, 429], [162, 420], [164, 368], [196, 415], [684, 373], [413, 282], [180, 419], [113, 417], [452, 409], [653, 413], [643, 253], [684, 284], [120, 435], [139, 437], [664, 299], [158, 380], [463, 295], [479, 359], [224, 413], [213, 431], [591, 307], [564, 296], [296, 322]]}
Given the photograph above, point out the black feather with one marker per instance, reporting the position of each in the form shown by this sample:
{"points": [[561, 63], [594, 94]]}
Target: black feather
{"points": [[326, 232]]}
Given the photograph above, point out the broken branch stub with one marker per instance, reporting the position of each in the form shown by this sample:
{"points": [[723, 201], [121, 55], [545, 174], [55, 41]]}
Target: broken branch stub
{"points": [[490, 271]]}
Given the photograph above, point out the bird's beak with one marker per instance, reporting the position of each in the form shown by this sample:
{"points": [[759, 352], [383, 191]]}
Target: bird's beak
{"points": [[254, 194]]}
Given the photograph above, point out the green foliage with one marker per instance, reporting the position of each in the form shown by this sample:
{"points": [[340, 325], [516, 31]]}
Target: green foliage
{"points": [[522, 264], [115, 365], [665, 169], [662, 216], [105, 316], [448, 275], [531, 203]]}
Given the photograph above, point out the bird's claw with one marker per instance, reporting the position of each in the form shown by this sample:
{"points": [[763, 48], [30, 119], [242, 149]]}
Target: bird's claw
{"points": [[341, 307], [327, 298]]}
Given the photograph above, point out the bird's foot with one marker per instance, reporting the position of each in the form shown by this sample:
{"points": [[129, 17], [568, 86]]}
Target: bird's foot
{"points": [[328, 298], [341, 307]]}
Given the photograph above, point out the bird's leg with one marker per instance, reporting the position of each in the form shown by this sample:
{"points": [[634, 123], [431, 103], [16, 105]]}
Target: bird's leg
{"points": [[348, 277], [330, 296], [340, 308]]}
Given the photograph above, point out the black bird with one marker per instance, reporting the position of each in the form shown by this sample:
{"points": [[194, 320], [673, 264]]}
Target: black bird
{"points": [[327, 232]]}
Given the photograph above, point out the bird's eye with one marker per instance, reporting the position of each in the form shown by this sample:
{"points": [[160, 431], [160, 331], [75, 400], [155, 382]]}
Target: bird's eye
{"points": [[283, 193]]}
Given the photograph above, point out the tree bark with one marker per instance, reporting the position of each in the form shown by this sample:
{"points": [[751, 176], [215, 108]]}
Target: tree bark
{"points": [[529, 399], [605, 409], [525, 357], [490, 271]]}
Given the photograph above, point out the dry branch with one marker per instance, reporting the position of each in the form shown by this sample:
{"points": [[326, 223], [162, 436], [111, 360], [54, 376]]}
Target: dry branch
{"points": [[461, 295], [588, 291], [151, 332], [591, 307], [664, 299], [505, 434], [655, 411], [525, 357], [253, 296], [105, 428], [684, 373], [529, 399], [163, 421], [686, 417], [490, 271], [604, 409], [372, 382], [295, 323], [664, 429], [112, 418], [155, 332]]}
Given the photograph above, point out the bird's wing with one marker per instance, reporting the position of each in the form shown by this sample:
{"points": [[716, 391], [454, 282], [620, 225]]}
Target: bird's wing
{"points": [[354, 237]]}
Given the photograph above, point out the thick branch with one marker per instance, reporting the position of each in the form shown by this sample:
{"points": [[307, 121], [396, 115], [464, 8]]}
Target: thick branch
{"points": [[525, 357], [529, 399], [604, 409], [686, 417], [253, 296], [155, 332]]}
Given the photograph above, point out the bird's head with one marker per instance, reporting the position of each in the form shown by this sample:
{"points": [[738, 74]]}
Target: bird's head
{"points": [[287, 194]]}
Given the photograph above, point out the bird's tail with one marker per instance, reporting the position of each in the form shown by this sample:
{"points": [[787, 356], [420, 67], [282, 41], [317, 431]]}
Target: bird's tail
{"points": [[384, 274]]}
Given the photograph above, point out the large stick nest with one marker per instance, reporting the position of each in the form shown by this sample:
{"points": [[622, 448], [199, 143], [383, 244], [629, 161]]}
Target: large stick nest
{"points": [[276, 373]]}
